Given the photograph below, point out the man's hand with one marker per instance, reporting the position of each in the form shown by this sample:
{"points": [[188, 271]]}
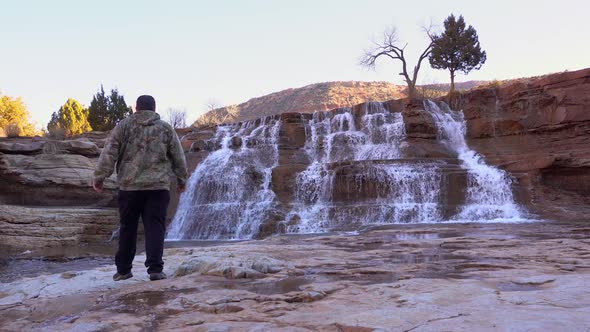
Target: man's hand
{"points": [[181, 188], [98, 186]]}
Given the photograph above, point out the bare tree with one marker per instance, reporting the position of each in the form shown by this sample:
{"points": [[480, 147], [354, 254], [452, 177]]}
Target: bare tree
{"points": [[177, 118], [391, 47]]}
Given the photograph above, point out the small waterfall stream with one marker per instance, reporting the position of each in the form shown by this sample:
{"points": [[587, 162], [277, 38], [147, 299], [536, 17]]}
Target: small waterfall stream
{"points": [[489, 191], [228, 195], [377, 191]]}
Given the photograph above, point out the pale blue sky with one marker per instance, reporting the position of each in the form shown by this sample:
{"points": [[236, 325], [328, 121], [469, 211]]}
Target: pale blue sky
{"points": [[186, 53]]}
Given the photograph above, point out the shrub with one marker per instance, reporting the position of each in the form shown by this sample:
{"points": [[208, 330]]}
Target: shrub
{"points": [[13, 130]]}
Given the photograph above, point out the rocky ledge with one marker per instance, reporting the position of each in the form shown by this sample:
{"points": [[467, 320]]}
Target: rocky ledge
{"points": [[46, 196], [39, 227], [493, 277]]}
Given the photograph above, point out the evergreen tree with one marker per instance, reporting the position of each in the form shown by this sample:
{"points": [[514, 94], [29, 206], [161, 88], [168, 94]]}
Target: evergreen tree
{"points": [[72, 119], [53, 124], [456, 49], [106, 111], [117, 109], [98, 111]]}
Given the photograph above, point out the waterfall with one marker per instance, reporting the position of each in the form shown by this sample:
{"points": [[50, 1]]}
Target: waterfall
{"points": [[489, 191], [334, 137], [229, 194], [358, 175], [363, 153]]}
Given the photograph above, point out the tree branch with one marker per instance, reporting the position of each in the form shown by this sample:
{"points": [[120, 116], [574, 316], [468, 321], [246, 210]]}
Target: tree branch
{"points": [[390, 47], [423, 56]]}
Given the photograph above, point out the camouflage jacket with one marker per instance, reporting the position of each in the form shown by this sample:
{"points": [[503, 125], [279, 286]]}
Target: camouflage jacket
{"points": [[146, 152]]}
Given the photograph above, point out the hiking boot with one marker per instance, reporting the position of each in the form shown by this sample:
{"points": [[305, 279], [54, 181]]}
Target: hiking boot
{"points": [[118, 276], [158, 276]]}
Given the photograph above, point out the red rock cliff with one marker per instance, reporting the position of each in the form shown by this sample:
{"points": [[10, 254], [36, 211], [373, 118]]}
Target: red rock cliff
{"points": [[538, 128]]}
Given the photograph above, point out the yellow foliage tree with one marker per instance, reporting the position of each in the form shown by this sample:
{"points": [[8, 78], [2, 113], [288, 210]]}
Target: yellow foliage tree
{"points": [[71, 119], [14, 118]]}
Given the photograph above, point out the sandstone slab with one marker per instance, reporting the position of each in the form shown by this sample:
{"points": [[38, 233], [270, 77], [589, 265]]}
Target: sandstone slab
{"points": [[406, 278], [27, 227]]}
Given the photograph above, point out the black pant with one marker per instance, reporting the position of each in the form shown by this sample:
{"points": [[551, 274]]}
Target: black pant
{"points": [[151, 205]]}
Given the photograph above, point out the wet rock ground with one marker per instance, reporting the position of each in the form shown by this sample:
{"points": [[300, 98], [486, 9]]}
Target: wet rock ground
{"points": [[446, 277]]}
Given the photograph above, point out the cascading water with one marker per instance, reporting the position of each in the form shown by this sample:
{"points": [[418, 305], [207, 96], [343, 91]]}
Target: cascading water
{"points": [[489, 190], [228, 195], [335, 137], [358, 175], [383, 188]]}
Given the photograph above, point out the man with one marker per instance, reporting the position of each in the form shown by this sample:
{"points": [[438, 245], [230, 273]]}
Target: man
{"points": [[146, 152]]}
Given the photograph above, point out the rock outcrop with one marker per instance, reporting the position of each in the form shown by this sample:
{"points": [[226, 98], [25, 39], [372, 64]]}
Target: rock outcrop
{"points": [[539, 128], [41, 227], [46, 196]]}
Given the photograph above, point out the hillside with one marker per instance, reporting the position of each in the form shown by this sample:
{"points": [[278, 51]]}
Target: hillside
{"points": [[444, 87], [318, 97], [310, 98]]}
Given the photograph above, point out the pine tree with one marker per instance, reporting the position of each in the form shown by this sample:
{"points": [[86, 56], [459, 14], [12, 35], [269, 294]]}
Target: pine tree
{"points": [[117, 109], [456, 49], [106, 111], [53, 124], [98, 111]]}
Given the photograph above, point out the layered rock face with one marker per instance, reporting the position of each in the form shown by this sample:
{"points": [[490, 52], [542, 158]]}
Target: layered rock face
{"points": [[539, 129], [396, 162], [39, 227], [46, 195]]}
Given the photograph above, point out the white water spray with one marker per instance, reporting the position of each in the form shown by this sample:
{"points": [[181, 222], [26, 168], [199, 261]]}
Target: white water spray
{"points": [[382, 189], [489, 191], [228, 195]]}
